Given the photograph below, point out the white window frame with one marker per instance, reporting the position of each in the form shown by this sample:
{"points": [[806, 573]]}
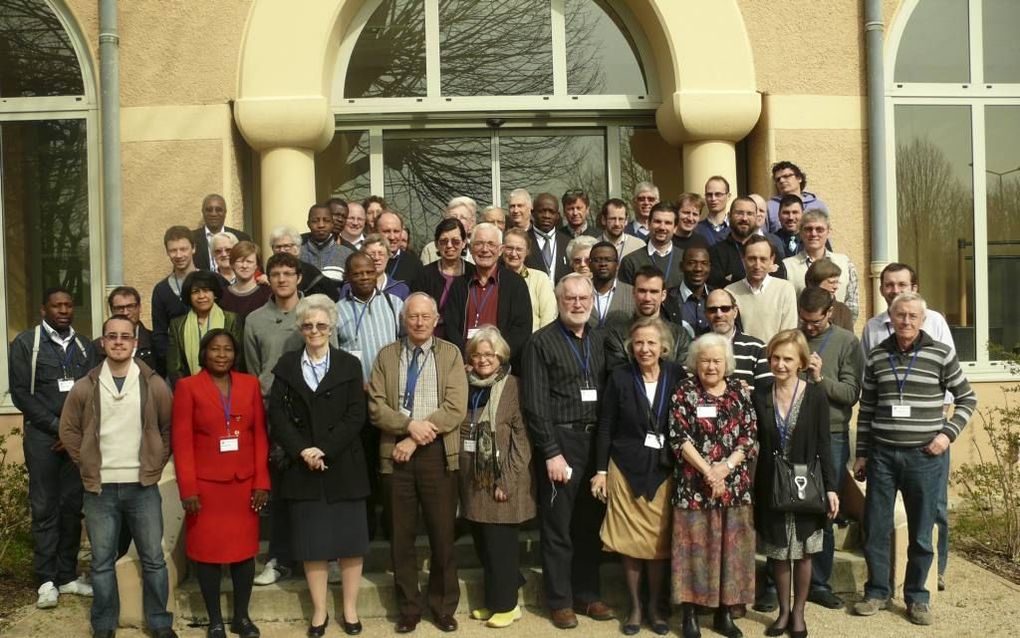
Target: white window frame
{"points": [[977, 95], [84, 107]]}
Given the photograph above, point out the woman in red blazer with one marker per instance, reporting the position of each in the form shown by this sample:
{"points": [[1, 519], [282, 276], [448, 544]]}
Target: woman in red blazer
{"points": [[221, 455]]}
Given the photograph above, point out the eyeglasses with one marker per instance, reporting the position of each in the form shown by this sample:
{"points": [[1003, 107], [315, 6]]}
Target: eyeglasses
{"points": [[785, 176], [119, 336], [479, 245], [580, 261], [119, 310], [814, 230], [281, 247], [482, 356], [513, 249], [718, 309], [577, 298], [815, 323], [318, 327], [450, 241]]}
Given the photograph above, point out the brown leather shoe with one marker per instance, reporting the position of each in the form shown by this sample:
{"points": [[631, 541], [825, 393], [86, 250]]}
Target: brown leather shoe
{"points": [[446, 623], [596, 610], [563, 618], [407, 624]]}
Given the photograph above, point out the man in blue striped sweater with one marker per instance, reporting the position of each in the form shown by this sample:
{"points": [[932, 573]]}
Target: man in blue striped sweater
{"points": [[901, 433]]}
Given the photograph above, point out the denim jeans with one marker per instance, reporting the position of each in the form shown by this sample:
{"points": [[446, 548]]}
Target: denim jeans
{"points": [[942, 516], [142, 508], [821, 564], [920, 478]]}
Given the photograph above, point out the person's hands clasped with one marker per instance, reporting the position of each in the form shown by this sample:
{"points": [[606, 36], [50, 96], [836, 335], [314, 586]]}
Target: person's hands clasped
{"points": [[556, 468], [833, 500], [314, 458], [259, 498], [716, 478], [598, 487], [937, 446], [423, 432], [191, 504], [500, 496], [403, 450]]}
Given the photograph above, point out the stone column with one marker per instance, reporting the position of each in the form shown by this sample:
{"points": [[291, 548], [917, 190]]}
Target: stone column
{"points": [[287, 179], [703, 159]]}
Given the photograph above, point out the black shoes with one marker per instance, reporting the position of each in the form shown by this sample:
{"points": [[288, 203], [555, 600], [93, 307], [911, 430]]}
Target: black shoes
{"points": [[767, 602], [104, 633], [825, 598], [351, 628], [446, 622], [245, 628], [690, 628], [775, 629], [315, 631], [723, 623], [407, 624], [216, 631]]}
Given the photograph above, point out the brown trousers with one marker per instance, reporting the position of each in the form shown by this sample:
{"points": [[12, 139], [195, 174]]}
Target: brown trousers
{"points": [[424, 483]]}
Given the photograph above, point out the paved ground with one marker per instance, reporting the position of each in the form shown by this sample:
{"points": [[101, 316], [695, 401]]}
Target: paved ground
{"points": [[977, 603]]}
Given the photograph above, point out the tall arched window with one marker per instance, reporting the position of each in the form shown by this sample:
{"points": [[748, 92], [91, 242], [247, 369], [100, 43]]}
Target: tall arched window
{"points": [[955, 98], [437, 98], [47, 119]]}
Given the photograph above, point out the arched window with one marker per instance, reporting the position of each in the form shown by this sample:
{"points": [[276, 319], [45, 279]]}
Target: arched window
{"points": [[438, 98], [955, 102], [47, 119]]}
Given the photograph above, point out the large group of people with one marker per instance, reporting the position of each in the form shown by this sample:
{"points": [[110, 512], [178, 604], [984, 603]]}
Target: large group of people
{"points": [[672, 382]]}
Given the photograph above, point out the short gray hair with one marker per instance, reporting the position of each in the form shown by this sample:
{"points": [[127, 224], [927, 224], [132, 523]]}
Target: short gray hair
{"points": [[418, 295], [646, 187], [520, 192], [280, 232], [579, 243], [561, 285], [711, 340], [487, 226], [908, 297], [491, 335], [376, 238], [464, 201], [224, 235], [816, 215], [312, 303]]}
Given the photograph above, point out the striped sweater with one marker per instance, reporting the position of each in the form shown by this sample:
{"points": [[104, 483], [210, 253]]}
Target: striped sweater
{"points": [[936, 370]]}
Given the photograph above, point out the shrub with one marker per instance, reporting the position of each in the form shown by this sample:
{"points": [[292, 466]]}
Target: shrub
{"points": [[15, 516]]}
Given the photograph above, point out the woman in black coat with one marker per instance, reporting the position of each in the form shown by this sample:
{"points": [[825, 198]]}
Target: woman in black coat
{"points": [[793, 421], [437, 278], [317, 408]]}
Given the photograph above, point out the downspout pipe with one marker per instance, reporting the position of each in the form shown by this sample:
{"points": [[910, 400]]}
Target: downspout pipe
{"points": [[109, 90], [874, 40]]}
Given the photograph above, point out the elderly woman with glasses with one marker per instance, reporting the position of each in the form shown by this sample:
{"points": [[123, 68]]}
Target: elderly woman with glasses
{"points": [[201, 290], [516, 247], [578, 252], [496, 491], [317, 410], [222, 243], [712, 433]]}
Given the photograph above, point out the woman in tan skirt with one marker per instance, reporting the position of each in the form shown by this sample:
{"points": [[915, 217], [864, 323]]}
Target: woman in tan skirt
{"points": [[634, 468]]}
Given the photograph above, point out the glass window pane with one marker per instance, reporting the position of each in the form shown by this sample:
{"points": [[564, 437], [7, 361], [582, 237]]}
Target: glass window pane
{"points": [[934, 47], [555, 163], [46, 218], [389, 57], [601, 56], [1002, 149], [494, 47], [935, 211], [1001, 19], [342, 169], [36, 57], [422, 173]]}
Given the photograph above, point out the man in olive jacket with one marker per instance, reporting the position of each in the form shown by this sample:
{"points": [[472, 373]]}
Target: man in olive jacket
{"points": [[115, 426], [418, 399]]}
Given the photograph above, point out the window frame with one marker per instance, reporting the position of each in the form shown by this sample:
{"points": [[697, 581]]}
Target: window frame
{"points": [[977, 95]]}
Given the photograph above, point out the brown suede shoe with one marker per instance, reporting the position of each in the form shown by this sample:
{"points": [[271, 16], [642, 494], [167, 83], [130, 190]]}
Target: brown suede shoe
{"points": [[563, 618], [596, 610]]}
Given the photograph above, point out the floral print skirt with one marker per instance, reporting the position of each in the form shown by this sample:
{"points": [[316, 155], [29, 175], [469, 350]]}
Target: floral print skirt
{"points": [[713, 556]]}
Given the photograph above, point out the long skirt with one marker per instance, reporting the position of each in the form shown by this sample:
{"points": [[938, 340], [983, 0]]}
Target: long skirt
{"points": [[713, 556], [634, 526]]}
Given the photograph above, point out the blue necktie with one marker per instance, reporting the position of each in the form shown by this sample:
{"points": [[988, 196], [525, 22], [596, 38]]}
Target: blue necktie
{"points": [[412, 379]]}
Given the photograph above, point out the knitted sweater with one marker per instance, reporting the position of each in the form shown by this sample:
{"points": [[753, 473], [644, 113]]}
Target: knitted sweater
{"points": [[768, 311], [842, 365]]}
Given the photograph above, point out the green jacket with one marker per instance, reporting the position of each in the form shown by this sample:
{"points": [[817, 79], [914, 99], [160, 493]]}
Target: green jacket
{"points": [[177, 361]]}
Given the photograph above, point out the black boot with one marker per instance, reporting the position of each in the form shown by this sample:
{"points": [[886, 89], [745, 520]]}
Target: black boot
{"points": [[690, 622], [723, 623]]}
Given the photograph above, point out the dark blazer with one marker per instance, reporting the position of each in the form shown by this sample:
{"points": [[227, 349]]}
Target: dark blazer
{"points": [[143, 350], [535, 261], [431, 281], [624, 421], [202, 245], [728, 262], [810, 438], [404, 267], [177, 359], [513, 312], [330, 418], [615, 336]]}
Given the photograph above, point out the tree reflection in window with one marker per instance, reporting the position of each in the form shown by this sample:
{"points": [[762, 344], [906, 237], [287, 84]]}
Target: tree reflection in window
{"points": [[36, 57]]}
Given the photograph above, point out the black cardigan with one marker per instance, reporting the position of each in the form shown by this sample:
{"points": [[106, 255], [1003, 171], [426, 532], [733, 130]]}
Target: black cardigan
{"points": [[331, 419], [623, 423], [810, 438]]}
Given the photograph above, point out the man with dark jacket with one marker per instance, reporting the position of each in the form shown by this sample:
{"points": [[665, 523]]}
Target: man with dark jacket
{"points": [[45, 362], [116, 428], [493, 295], [214, 213], [125, 300], [548, 249]]}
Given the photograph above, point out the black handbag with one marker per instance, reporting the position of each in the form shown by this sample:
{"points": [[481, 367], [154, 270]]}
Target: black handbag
{"points": [[797, 487]]}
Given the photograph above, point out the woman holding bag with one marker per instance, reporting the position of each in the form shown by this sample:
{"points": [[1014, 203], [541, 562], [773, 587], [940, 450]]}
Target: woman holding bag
{"points": [[793, 424]]}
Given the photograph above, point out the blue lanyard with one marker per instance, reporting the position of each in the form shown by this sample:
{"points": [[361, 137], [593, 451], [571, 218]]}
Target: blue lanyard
{"points": [[660, 391], [315, 374], [783, 423], [480, 306], [358, 318], [598, 307], [586, 362], [413, 372], [474, 408], [396, 262], [65, 355], [902, 382], [226, 403]]}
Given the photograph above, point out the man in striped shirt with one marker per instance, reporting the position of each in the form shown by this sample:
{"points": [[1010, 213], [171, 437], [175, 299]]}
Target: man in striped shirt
{"points": [[752, 363], [901, 436]]}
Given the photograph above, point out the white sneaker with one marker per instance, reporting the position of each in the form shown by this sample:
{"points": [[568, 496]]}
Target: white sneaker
{"points": [[269, 574], [77, 587], [48, 596], [334, 572]]}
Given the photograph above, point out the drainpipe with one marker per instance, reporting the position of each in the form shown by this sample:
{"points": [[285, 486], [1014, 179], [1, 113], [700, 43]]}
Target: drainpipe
{"points": [[874, 39], [109, 89]]}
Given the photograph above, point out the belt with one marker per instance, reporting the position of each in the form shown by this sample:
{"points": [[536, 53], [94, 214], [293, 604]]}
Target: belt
{"points": [[578, 427]]}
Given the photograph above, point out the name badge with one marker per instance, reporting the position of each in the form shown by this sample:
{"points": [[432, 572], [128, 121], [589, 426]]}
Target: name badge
{"points": [[65, 385], [472, 332], [356, 354], [706, 412], [405, 412], [229, 444], [653, 440], [470, 445], [901, 411], [589, 394]]}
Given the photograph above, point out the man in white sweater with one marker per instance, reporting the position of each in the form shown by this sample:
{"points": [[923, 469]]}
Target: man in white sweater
{"points": [[767, 304]]}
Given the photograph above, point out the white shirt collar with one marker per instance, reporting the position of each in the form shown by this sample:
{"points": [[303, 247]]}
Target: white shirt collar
{"points": [[760, 289], [54, 336], [652, 250]]}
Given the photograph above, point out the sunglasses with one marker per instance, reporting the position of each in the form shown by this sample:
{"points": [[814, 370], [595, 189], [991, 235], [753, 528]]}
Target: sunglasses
{"points": [[714, 309]]}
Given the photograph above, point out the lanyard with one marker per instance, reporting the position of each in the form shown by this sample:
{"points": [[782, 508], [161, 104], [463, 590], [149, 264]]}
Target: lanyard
{"points": [[396, 262], [825, 341], [226, 404], [783, 423], [598, 307], [669, 264], [660, 391], [480, 306], [65, 357], [315, 374], [359, 317], [474, 408], [902, 382], [586, 345]]}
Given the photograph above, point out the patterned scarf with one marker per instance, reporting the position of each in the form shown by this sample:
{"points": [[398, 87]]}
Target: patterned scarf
{"points": [[486, 458]]}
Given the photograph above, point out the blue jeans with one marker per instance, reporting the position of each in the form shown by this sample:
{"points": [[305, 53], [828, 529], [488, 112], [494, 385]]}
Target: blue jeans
{"points": [[942, 517], [142, 509], [821, 564], [921, 479]]}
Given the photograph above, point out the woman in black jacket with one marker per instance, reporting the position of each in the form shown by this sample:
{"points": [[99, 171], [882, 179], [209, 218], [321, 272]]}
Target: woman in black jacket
{"points": [[317, 409], [437, 278], [793, 421], [634, 474]]}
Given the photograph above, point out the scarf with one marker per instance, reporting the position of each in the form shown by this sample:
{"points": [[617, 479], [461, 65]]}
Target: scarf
{"points": [[486, 458], [193, 338]]}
